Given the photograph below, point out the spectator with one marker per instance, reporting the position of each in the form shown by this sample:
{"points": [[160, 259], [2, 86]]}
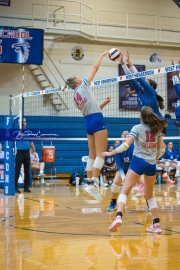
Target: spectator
{"points": [[109, 165], [117, 142], [171, 162], [37, 166], [161, 162], [1, 151], [22, 157]]}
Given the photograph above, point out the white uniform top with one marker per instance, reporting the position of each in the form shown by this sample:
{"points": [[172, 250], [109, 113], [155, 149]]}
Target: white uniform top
{"points": [[85, 100], [34, 157], [2, 154], [146, 143]]}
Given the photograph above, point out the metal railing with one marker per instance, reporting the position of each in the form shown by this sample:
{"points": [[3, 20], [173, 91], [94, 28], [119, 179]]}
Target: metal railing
{"points": [[69, 15]]}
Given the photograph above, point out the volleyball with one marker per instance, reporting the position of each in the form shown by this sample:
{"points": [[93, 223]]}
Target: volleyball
{"points": [[114, 54]]}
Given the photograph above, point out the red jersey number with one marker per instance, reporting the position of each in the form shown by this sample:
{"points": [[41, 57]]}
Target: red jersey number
{"points": [[150, 136]]}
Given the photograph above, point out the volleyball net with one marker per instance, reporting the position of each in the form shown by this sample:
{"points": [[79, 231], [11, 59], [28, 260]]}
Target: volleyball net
{"points": [[53, 110]]}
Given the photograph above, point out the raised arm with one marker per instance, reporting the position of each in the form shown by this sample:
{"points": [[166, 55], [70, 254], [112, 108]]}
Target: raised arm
{"points": [[176, 80], [95, 67], [134, 83], [133, 69]]}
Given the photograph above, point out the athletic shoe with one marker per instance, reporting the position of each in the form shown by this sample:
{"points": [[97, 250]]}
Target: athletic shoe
{"points": [[116, 223], [140, 187], [165, 175], [111, 207], [41, 175], [45, 184], [27, 190], [140, 194], [177, 175], [169, 181], [105, 185], [155, 228], [94, 192], [17, 190]]}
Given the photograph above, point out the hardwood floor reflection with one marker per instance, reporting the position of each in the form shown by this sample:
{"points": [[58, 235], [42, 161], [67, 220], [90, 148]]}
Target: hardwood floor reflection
{"points": [[63, 228]]}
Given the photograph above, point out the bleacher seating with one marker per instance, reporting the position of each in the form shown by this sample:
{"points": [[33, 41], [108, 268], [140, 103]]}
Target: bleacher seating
{"points": [[69, 153]]}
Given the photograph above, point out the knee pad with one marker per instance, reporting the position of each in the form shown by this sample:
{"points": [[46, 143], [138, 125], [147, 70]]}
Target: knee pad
{"points": [[89, 165], [98, 163], [152, 203], [115, 188], [122, 198]]}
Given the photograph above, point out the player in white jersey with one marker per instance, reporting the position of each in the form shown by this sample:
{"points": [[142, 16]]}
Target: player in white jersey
{"points": [[148, 147], [94, 125]]}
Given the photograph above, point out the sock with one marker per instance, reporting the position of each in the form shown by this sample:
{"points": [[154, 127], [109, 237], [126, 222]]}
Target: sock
{"points": [[114, 201], [42, 180], [95, 181], [41, 171], [156, 220], [89, 180], [119, 214]]}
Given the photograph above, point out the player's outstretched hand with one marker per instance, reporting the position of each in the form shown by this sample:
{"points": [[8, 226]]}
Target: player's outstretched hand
{"points": [[105, 154], [105, 53], [107, 100], [121, 61], [126, 56]]}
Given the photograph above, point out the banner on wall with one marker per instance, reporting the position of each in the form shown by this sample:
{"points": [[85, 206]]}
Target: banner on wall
{"points": [[5, 2], [128, 100], [171, 94], [21, 45]]}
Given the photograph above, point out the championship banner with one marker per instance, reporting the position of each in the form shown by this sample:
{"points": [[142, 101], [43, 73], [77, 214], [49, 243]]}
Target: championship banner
{"points": [[21, 45], [171, 94], [128, 100], [5, 3]]}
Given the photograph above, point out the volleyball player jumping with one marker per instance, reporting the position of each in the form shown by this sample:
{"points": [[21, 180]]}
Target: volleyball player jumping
{"points": [[94, 125], [147, 95], [149, 147]]}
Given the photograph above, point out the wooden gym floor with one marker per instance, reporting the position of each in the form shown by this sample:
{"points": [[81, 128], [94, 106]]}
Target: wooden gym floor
{"points": [[63, 228]]}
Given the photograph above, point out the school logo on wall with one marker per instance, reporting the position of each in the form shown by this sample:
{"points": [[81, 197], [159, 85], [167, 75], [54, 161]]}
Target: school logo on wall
{"points": [[77, 53], [155, 57]]}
